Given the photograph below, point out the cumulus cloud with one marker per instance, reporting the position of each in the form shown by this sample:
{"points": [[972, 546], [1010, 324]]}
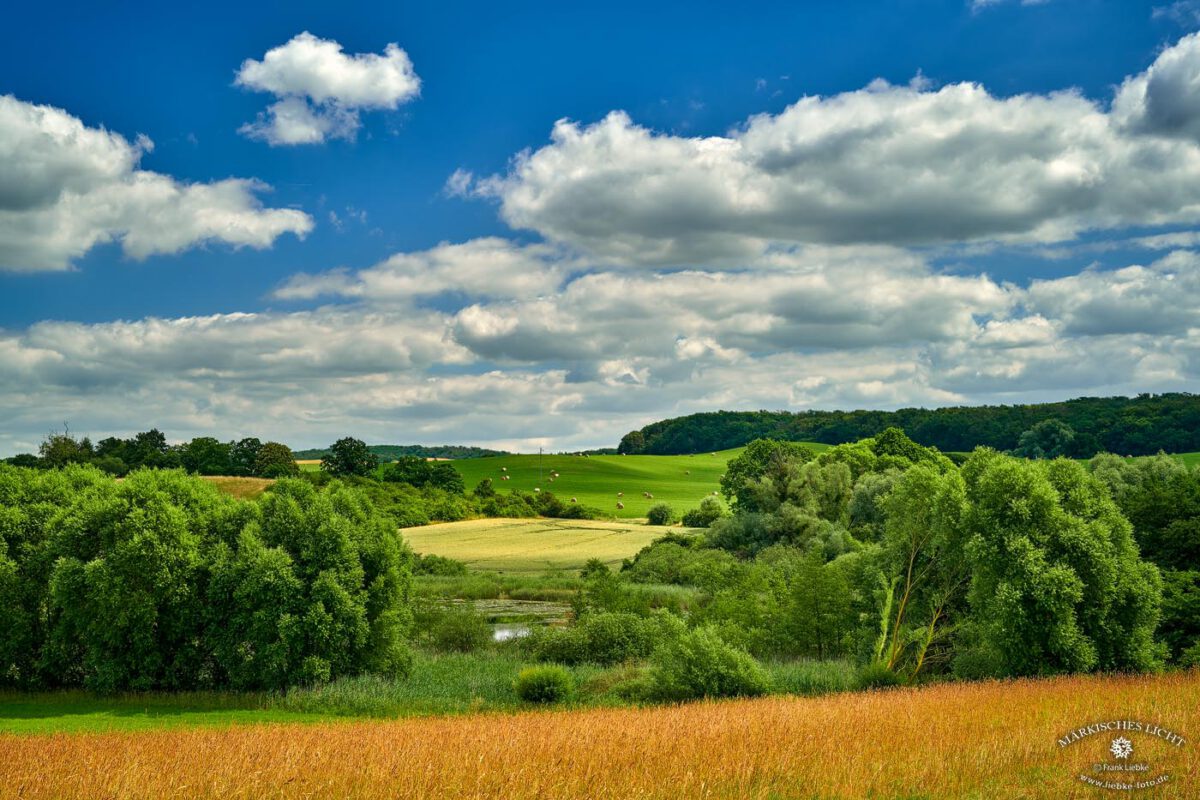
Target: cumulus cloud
{"points": [[320, 90], [531, 346], [898, 165], [795, 262], [1165, 99], [487, 267], [66, 188]]}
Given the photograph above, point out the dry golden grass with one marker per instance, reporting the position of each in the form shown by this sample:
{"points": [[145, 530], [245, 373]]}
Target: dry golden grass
{"points": [[994, 740], [241, 488]]}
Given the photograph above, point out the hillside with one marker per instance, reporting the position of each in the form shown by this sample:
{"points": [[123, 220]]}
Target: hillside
{"points": [[1141, 425], [680, 481]]}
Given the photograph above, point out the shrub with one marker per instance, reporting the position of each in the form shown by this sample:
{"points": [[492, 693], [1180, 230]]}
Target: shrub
{"points": [[598, 637], [661, 514], [710, 511], [876, 675], [548, 683], [450, 627], [698, 663], [431, 564]]}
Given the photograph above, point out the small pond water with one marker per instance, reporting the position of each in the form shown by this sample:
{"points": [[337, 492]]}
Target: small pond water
{"points": [[513, 619]]}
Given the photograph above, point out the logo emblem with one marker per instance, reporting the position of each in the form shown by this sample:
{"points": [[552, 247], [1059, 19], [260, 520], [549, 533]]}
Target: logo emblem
{"points": [[1121, 747]]}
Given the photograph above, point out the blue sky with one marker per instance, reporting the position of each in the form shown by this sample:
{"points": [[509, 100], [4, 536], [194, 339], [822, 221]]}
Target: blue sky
{"points": [[111, 325]]}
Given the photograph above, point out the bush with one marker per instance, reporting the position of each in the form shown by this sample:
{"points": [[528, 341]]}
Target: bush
{"points": [[876, 675], [431, 564], [710, 511], [544, 684], [661, 514], [698, 663], [457, 628], [600, 637]]}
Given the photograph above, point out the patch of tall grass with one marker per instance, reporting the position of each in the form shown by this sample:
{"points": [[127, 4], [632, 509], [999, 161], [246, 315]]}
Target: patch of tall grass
{"points": [[809, 677]]}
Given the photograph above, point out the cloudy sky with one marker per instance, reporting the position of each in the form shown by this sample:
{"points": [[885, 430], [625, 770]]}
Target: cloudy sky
{"points": [[528, 224]]}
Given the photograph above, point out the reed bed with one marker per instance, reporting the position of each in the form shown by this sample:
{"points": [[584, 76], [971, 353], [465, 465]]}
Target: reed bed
{"points": [[966, 740]]}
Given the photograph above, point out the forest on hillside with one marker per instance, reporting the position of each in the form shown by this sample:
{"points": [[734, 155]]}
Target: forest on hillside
{"points": [[1141, 425], [391, 452]]}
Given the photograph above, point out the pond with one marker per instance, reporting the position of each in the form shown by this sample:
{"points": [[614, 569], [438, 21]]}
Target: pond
{"points": [[512, 619]]}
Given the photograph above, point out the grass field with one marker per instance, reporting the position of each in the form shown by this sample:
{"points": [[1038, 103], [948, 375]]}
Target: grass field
{"points": [[679, 481], [77, 711], [982, 740], [532, 545]]}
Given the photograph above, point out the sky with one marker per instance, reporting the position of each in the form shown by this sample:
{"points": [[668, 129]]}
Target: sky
{"points": [[532, 225]]}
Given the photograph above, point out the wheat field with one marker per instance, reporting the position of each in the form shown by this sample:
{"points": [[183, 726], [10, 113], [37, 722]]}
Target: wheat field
{"points": [[986, 740], [533, 545]]}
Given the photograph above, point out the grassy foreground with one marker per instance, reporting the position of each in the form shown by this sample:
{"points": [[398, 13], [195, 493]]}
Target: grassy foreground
{"points": [[532, 545], [984, 740]]}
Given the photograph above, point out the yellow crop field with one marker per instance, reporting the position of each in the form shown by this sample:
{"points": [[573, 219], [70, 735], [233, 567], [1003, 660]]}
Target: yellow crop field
{"points": [[986, 740], [533, 545]]}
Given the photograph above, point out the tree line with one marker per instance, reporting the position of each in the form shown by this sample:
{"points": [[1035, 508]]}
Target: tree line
{"points": [[1141, 425], [204, 455], [160, 581], [887, 553]]}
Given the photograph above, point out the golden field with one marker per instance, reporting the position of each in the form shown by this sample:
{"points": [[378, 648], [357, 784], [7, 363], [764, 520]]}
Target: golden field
{"points": [[985, 740], [533, 545]]}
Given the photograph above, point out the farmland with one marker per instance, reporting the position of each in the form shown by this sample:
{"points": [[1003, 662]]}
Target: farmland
{"points": [[679, 481], [972, 740], [532, 546]]}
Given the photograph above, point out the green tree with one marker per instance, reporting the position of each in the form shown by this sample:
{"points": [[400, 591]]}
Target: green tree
{"points": [[275, 460], [150, 449], [318, 588], [1057, 584], [205, 456], [124, 607], [243, 455], [819, 607], [60, 449], [632, 443], [924, 559], [349, 456], [1050, 438], [762, 459]]}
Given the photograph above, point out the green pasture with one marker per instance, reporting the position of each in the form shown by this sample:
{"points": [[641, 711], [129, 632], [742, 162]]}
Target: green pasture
{"points": [[679, 481]]}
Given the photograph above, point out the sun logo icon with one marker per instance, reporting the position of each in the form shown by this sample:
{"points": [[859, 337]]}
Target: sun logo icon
{"points": [[1121, 747]]}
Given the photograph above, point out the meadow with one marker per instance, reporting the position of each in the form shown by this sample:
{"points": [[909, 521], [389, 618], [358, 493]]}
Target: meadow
{"points": [[533, 545], [961, 740], [679, 481]]}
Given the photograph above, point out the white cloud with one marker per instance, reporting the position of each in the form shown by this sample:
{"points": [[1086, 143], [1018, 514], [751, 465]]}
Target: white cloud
{"points": [[1162, 298], [1165, 99], [898, 165], [488, 267], [610, 350], [320, 90], [66, 188]]}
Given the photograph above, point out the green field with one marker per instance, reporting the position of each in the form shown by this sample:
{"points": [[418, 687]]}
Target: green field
{"points": [[532, 545], [679, 481]]}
